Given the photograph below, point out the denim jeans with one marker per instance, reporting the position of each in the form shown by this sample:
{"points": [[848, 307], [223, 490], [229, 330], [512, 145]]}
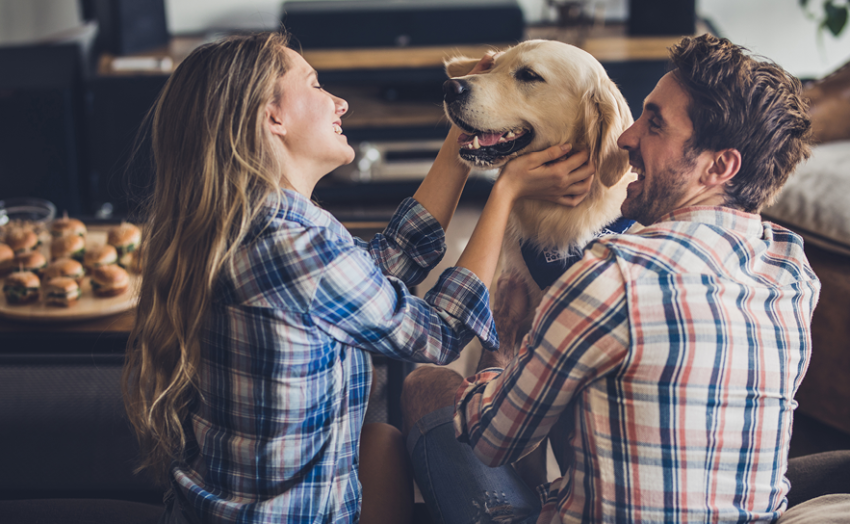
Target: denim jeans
{"points": [[457, 487]]}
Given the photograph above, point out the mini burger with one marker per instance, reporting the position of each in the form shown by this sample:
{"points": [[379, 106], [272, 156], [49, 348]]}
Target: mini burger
{"points": [[125, 237], [65, 227], [7, 259], [109, 281], [72, 246], [22, 240], [32, 261], [65, 267], [21, 287], [100, 256], [61, 291]]}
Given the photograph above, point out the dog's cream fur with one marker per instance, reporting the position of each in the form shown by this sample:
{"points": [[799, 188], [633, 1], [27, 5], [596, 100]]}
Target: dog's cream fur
{"points": [[561, 94]]}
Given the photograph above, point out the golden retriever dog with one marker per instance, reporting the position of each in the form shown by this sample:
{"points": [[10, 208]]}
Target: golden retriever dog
{"points": [[538, 94]]}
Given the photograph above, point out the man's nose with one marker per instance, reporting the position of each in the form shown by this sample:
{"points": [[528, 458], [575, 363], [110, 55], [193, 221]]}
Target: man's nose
{"points": [[454, 90], [627, 139]]}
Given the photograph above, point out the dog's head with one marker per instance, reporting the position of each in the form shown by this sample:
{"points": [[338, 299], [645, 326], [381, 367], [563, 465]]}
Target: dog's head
{"points": [[538, 94]]}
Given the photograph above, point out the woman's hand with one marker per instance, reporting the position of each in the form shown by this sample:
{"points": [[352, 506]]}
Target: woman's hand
{"points": [[552, 174]]}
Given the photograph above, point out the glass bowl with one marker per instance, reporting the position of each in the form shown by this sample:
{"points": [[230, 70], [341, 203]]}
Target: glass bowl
{"points": [[35, 210]]}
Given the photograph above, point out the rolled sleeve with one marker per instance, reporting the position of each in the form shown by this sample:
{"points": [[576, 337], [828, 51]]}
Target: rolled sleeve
{"points": [[411, 245]]}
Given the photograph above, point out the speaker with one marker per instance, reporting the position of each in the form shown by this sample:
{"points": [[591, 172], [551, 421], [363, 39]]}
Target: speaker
{"points": [[319, 24], [126, 27], [42, 125], [662, 17]]}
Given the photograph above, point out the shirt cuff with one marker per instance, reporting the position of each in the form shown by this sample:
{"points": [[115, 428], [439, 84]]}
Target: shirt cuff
{"points": [[468, 390], [417, 233], [466, 303]]}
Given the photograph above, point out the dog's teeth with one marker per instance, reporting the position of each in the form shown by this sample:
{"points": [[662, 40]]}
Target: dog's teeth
{"points": [[502, 140], [511, 134], [475, 144]]}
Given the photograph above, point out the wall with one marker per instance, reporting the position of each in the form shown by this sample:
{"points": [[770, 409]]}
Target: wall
{"points": [[25, 21]]}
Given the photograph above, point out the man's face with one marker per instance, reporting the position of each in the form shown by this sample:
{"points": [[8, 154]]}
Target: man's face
{"points": [[656, 142]]}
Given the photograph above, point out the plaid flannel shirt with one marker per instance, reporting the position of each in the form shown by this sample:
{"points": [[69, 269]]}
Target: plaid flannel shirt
{"points": [[285, 375], [675, 354]]}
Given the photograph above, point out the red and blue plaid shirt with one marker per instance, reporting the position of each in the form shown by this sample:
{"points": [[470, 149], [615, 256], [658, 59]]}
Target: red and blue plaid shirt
{"points": [[675, 353], [285, 374]]}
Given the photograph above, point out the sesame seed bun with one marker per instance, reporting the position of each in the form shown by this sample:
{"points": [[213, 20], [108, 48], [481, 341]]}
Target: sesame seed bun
{"points": [[21, 287], [61, 291], [100, 256], [108, 281], [62, 227], [21, 240], [72, 246], [64, 267]]}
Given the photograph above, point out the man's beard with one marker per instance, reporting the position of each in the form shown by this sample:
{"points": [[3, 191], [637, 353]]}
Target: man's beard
{"points": [[662, 196]]}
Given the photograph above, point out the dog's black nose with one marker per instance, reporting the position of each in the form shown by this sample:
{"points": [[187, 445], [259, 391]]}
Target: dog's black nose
{"points": [[454, 90]]}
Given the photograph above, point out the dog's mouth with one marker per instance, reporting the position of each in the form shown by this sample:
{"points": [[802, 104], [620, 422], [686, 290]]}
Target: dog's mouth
{"points": [[488, 148]]}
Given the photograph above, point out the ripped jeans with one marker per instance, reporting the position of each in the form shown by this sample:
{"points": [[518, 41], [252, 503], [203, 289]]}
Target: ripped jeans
{"points": [[457, 487]]}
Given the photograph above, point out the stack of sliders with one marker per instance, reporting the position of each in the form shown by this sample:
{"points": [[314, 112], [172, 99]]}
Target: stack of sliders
{"points": [[28, 275]]}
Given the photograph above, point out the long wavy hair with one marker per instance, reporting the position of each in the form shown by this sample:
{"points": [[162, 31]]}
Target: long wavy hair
{"points": [[215, 163]]}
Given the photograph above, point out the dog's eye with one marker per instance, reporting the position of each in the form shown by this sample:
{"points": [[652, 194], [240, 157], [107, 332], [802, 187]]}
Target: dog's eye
{"points": [[525, 74]]}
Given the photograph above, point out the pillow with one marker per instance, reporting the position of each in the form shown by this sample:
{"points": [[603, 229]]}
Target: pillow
{"points": [[815, 202]]}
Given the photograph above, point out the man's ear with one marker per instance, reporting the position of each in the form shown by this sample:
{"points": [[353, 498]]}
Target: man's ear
{"points": [[274, 120], [726, 164]]}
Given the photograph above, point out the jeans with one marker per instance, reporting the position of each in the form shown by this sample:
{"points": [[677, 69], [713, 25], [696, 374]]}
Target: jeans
{"points": [[457, 487]]}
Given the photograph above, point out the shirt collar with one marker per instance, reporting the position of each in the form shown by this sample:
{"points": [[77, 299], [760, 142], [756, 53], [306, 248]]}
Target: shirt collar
{"points": [[748, 224]]}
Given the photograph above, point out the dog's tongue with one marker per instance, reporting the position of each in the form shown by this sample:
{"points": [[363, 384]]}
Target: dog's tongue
{"points": [[484, 139]]}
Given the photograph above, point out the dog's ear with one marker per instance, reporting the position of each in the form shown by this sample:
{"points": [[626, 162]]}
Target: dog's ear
{"points": [[459, 66], [607, 115]]}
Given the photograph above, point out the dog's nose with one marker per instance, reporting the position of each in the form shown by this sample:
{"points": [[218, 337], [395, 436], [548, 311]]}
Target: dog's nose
{"points": [[454, 90]]}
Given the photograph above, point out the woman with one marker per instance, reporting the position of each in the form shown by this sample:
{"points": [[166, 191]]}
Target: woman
{"points": [[247, 372]]}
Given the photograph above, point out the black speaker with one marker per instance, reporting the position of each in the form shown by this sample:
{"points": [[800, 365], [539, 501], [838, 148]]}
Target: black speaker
{"points": [[42, 125], [127, 27], [373, 23], [662, 17]]}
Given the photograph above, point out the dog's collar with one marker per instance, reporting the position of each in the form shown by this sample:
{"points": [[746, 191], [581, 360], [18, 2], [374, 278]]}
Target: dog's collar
{"points": [[546, 266]]}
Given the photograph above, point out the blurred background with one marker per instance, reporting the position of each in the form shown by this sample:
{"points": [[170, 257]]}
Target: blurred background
{"points": [[77, 76]]}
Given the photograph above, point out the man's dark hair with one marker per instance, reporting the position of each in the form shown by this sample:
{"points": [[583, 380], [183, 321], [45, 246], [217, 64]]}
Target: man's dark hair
{"points": [[750, 105]]}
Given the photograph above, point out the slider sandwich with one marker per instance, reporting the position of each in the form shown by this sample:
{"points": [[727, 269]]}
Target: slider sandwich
{"points": [[31, 261], [21, 287], [109, 281], [7, 259], [61, 291], [64, 227], [125, 237], [72, 246], [22, 240], [100, 256], [65, 267]]}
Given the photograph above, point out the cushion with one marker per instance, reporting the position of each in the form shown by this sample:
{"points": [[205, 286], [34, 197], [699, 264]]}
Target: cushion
{"points": [[828, 509], [814, 201]]}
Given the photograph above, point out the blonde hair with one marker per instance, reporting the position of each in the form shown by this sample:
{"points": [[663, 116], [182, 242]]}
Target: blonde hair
{"points": [[215, 165]]}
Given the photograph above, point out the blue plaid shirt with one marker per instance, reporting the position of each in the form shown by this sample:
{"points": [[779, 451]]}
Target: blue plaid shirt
{"points": [[285, 375]]}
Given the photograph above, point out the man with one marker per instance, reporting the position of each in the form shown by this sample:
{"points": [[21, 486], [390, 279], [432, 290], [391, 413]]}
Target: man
{"points": [[667, 359]]}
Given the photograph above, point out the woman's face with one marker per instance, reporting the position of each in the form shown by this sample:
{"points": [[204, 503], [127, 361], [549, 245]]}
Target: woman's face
{"points": [[308, 118]]}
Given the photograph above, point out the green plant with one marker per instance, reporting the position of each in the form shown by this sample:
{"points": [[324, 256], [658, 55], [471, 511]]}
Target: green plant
{"points": [[835, 14]]}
